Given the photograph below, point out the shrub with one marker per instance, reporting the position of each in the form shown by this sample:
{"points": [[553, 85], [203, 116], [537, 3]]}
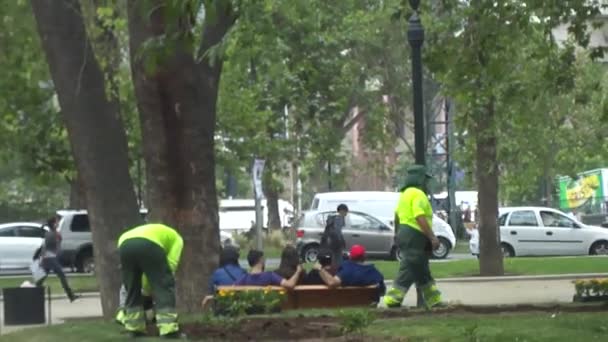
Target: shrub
{"points": [[275, 239], [591, 288], [356, 321], [238, 303], [241, 240]]}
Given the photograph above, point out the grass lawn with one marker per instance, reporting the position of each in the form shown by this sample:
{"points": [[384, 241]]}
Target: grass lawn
{"points": [[458, 268], [462, 247], [84, 283], [513, 266], [433, 328], [504, 327]]}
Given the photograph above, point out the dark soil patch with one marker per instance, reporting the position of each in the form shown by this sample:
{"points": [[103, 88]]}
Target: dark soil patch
{"points": [[268, 329]]}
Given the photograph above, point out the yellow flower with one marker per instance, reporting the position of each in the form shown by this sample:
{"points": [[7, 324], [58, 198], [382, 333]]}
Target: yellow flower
{"points": [[282, 292], [222, 293]]}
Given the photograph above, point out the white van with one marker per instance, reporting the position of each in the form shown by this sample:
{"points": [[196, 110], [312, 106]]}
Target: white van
{"points": [[382, 204], [238, 215]]}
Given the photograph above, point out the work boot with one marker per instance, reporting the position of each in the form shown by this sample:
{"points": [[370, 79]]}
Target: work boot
{"points": [[394, 298], [120, 317], [74, 297], [432, 297]]}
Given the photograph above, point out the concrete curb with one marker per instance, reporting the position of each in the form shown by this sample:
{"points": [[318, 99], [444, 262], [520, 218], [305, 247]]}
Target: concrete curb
{"points": [[572, 276]]}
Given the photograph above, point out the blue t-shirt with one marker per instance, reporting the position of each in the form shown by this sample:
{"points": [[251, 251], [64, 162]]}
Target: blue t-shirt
{"points": [[356, 274], [260, 279], [227, 275]]}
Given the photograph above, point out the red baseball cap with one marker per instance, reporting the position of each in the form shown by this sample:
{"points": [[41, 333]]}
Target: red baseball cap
{"points": [[357, 252]]}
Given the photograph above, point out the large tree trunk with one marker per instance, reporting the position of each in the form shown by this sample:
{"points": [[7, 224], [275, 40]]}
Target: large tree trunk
{"points": [[490, 259], [271, 192], [96, 134], [78, 197], [177, 104]]}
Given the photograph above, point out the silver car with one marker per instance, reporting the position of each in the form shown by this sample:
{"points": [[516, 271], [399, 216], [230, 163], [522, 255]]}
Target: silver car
{"points": [[360, 229]]}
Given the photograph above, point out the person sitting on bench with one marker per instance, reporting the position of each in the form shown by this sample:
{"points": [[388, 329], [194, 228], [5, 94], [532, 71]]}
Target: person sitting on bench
{"points": [[354, 272], [259, 277], [325, 260], [229, 271], [290, 260]]}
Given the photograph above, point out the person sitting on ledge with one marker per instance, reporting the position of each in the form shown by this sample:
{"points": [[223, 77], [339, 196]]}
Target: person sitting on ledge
{"points": [[325, 260], [229, 271], [259, 277], [354, 272], [290, 260]]}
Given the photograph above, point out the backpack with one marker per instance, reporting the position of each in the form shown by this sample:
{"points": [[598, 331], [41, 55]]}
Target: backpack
{"points": [[331, 237]]}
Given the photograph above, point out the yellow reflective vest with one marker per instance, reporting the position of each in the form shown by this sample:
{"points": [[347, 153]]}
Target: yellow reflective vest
{"points": [[164, 236], [413, 203]]}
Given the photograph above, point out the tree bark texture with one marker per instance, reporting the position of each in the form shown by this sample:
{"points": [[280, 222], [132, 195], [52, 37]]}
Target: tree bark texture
{"points": [[272, 198], [490, 260], [96, 135], [78, 197], [177, 104]]}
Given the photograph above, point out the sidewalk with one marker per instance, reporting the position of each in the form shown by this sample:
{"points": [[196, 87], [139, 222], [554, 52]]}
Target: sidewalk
{"points": [[467, 291]]}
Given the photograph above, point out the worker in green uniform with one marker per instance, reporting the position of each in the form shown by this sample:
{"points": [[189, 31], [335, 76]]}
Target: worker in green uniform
{"points": [[416, 241], [153, 250]]}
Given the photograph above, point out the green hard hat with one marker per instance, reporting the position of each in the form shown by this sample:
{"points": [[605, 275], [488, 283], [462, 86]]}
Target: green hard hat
{"points": [[418, 170]]}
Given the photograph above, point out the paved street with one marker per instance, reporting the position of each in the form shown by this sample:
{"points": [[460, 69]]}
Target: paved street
{"points": [[467, 292]]}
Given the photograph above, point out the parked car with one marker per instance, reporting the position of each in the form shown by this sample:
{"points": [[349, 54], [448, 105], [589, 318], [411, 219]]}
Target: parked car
{"points": [[18, 242], [360, 229], [546, 231], [77, 244], [381, 205]]}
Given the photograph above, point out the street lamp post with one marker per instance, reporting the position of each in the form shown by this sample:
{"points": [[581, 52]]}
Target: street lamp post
{"points": [[415, 36]]}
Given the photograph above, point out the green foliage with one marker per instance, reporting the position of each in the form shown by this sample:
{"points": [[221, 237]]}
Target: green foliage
{"points": [[234, 303], [356, 321], [292, 75], [586, 288], [503, 58]]}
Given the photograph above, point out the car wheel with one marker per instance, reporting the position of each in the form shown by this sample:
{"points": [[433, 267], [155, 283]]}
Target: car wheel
{"points": [[599, 248], [310, 253], [86, 264], [443, 250], [507, 250], [396, 254]]}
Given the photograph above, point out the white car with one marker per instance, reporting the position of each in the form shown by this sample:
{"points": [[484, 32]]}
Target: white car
{"points": [[18, 242], [546, 231]]}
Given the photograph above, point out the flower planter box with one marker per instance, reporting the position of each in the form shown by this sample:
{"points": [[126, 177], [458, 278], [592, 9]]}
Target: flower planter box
{"points": [[591, 290], [589, 299]]}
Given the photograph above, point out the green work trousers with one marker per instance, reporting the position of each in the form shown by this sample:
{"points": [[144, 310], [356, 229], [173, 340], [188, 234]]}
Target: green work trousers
{"points": [[141, 256], [415, 251]]}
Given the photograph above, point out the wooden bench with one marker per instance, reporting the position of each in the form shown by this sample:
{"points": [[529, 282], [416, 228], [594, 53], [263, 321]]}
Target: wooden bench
{"points": [[316, 296]]}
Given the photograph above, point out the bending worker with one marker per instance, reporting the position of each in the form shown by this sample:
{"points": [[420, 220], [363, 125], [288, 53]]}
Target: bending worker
{"points": [[416, 240], [152, 250]]}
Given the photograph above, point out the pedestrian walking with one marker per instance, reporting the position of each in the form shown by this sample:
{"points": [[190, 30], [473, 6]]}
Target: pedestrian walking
{"points": [[416, 241], [332, 237], [153, 250], [49, 257]]}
